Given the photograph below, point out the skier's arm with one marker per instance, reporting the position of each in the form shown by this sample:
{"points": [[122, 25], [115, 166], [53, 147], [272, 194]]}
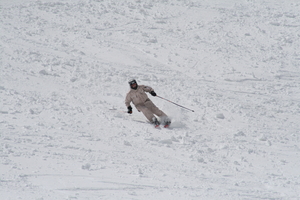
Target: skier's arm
{"points": [[147, 89], [127, 103], [127, 100], [150, 90]]}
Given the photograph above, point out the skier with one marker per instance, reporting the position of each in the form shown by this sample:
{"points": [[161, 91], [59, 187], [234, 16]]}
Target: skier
{"points": [[143, 104]]}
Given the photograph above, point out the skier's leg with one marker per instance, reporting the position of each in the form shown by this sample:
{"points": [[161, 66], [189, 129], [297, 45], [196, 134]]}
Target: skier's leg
{"points": [[148, 114], [155, 110]]}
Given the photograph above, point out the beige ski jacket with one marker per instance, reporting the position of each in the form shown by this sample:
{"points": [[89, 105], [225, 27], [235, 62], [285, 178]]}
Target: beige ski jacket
{"points": [[138, 96]]}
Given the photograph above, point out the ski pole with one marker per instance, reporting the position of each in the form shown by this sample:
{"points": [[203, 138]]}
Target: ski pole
{"points": [[175, 104]]}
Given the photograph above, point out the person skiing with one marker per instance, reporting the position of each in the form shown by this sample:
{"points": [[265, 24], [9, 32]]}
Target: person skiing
{"points": [[137, 95]]}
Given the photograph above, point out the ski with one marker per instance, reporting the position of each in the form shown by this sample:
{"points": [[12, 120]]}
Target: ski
{"points": [[167, 126], [157, 126], [156, 123]]}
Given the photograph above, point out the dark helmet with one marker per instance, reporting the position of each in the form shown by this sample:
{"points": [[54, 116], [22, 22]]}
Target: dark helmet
{"points": [[133, 84]]}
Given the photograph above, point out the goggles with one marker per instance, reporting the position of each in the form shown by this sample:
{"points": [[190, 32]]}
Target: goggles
{"points": [[132, 82]]}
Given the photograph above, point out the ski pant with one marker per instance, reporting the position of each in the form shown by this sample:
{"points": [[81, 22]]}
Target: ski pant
{"points": [[149, 110]]}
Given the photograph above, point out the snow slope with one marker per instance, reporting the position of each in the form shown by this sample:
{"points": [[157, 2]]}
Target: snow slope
{"points": [[65, 65]]}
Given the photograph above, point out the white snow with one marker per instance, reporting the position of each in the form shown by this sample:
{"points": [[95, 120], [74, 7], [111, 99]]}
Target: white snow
{"points": [[65, 65]]}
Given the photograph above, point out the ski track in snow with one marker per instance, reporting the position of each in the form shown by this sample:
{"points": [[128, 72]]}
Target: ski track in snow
{"points": [[64, 72]]}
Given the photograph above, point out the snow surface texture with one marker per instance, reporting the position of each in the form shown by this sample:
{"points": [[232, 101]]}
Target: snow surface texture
{"points": [[65, 65]]}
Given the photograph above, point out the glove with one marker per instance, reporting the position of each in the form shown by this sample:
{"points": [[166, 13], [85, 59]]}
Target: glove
{"points": [[129, 109], [153, 93]]}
